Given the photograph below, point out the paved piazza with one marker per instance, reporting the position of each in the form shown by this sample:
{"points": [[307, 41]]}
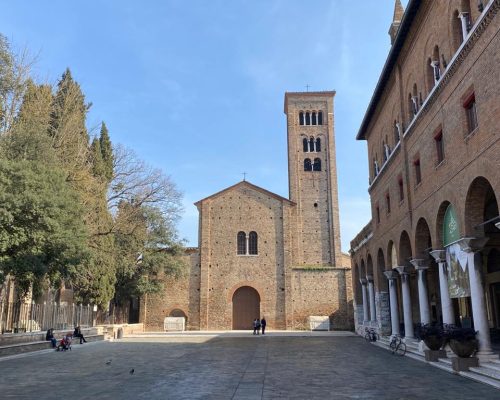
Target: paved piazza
{"points": [[231, 367]]}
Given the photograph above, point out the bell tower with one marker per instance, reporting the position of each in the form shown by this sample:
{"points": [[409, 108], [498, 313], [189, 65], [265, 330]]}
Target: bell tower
{"points": [[312, 177]]}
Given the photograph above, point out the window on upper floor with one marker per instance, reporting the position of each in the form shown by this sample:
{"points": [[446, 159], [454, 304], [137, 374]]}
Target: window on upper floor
{"points": [[252, 243], [311, 144], [401, 188], [388, 203], [241, 240], [318, 145], [308, 118], [418, 172], [314, 118], [301, 118], [377, 211], [320, 118], [317, 164], [305, 145], [471, 113], [307, 164], [438, 139]]}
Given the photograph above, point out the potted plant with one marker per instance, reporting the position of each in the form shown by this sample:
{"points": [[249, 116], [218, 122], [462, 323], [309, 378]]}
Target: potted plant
{"points": [[462, 341], [433, 337], [464, 344]]}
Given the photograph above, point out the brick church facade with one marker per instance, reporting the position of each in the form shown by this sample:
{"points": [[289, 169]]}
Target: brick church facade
{"points": [[261, 254]]}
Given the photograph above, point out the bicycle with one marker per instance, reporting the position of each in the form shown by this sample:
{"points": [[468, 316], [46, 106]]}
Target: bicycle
{"points": [[397, 345], [371, 335]]}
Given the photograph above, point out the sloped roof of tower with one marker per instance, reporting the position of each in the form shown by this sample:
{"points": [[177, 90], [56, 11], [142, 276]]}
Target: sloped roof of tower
{"points": [[330, 93], [406, 23], [248, 185], [398, 11]]}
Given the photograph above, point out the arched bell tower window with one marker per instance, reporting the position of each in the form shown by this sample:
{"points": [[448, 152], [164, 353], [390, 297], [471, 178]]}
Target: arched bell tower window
{"points": [[301, 118], [307, 164], [305, 145], [252, 243], [242, 243], [318, 144], [320, 118], [311, 144], [317, 164], [308, 118], [314, 118]]}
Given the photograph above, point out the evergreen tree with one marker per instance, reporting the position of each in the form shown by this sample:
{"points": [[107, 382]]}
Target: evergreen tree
{"points": [[107, 152], [98, 168], [41, 226]]}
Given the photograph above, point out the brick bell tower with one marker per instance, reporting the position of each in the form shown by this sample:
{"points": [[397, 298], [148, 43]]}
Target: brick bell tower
{"points": [[312, 176]]}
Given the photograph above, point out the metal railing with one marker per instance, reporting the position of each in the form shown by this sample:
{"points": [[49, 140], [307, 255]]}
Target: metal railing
{"points": [[16, 317]]}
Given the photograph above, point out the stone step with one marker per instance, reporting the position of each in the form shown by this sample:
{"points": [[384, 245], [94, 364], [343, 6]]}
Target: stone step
{"points": [[481, 378], [446, 361], [489, 372], [491, 365], [20, 348], [442, 365]]}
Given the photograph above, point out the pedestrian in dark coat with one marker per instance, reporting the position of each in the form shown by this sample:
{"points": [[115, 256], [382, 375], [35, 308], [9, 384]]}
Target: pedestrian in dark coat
{"points": [[78, 334], [263, 324]]}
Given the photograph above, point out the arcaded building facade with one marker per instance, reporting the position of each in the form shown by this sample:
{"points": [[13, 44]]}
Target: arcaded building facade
{"points": [[431, 252], [261, 254]]}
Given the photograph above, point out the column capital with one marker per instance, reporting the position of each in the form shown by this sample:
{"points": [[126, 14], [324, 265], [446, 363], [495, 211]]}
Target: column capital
{"points": [[472, 244], [369, 278], [363, 281], [439, 255], [420, 263], [391, 274], [403, 269]]}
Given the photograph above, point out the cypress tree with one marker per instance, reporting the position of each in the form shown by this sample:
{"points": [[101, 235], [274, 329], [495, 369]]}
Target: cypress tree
{"points": [[107, 152]]}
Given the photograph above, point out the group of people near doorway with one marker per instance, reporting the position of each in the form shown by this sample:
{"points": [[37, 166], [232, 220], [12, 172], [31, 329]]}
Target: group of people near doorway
{"points": [[65, 342], [259, 324]]}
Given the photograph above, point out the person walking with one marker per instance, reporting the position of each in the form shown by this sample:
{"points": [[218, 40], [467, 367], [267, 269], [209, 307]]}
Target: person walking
{"points": [[255, 326], [257, 320], [263, 324]]}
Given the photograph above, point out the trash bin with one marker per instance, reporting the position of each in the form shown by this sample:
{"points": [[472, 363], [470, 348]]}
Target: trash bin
{"points": [[120, 333]]}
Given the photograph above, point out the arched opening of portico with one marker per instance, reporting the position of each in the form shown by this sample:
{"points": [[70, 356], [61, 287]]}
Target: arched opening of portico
{"points": [[423, 245], [482, 220]]}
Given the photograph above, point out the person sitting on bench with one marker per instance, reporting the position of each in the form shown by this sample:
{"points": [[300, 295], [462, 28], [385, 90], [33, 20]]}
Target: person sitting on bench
{"points": [[78, 334]]}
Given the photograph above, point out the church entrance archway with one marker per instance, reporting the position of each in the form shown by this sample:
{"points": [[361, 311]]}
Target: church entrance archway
{"points": [[246, 307]]}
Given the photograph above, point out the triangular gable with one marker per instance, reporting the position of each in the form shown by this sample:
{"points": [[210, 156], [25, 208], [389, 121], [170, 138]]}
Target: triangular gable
{"points": [[249, 185]]}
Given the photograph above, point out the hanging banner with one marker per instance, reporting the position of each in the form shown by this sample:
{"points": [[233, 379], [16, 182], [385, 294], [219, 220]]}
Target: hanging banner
{"points": [[458, 272], [456, 259]]}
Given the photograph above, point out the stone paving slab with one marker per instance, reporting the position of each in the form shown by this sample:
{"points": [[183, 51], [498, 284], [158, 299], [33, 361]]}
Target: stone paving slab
{"points": [[323, 367]]}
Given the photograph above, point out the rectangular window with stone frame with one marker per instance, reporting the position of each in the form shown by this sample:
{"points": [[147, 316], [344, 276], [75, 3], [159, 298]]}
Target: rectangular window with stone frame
{"points": [[471, 113]]}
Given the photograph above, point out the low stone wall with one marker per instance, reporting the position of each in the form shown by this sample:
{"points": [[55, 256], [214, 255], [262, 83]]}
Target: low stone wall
{"points": [[8, 339], [111, 331]]}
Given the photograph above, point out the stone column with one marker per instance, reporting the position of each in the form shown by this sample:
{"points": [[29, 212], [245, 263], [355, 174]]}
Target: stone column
{"points": [[371, 297], [392, 276], [464, 19], [446, 304], [422, 265], [365, 302], [472, 246], [405, 283]]}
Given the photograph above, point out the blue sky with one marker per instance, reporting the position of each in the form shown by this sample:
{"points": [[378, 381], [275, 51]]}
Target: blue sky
{"points": [[196, 88]]}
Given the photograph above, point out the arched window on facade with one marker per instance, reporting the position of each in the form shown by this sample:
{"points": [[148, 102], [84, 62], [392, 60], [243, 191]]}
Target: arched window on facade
{"points": [[318, 144], [301, 118], [311, 144], [384, 153], [465, 17], [317, 164], [305, 145], [314, 119], [242, 243], [308, 118], [320, 118], [307, 164], [252, 243], [456, 30]]}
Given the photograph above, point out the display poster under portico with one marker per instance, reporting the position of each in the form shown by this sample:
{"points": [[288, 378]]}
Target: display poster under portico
{"points": [[456, 258]]}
